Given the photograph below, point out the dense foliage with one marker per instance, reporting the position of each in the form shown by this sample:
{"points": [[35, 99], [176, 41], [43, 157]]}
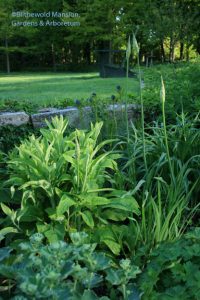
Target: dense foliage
{"points": [[174, 270], [67, 271], [166, 30], [63, 183], [183, 92]]}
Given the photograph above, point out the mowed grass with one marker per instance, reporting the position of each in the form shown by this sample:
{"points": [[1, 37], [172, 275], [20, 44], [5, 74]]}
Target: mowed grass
{"points": [[50, 88]]}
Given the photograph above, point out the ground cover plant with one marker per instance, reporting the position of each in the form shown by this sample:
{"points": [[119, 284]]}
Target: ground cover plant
{"points": [[173, 271], [78, 271]]}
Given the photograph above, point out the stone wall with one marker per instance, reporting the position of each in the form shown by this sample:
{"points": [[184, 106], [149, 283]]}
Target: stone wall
{"points": [[78, 118]]}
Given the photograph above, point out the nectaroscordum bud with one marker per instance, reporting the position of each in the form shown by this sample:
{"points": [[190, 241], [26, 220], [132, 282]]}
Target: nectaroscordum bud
{"points": [[135, 45], [162, 91], [128, 49]]}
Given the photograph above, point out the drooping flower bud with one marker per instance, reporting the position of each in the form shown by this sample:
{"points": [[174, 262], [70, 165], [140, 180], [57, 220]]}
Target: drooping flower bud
{"points": [[135, 45], [128, 49], [162, 91]]}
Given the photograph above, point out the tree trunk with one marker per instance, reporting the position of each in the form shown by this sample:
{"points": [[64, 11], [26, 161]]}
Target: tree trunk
{"points": [[187, 52], [110, 54], [53, 57], [87, 54], [171, 50], [163, 57], [181, 50], [151, 59], [7, 56], [147, 61]]}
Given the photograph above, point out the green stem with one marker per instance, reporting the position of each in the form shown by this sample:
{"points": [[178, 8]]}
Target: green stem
{"points": [[124, 291], [126, 110], [166, 142], [142, 113]]}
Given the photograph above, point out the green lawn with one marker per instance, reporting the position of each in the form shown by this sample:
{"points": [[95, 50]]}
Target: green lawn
{"points": [[48, 88]]}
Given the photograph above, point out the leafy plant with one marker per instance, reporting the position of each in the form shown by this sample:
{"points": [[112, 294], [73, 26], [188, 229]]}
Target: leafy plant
{"points": [[167, 193], [173, 271], [65, 271], [65, 182], [2, 165]]}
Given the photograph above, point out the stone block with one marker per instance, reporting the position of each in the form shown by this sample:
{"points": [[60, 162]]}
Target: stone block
{"points": [[13, 118], [78, 118]]}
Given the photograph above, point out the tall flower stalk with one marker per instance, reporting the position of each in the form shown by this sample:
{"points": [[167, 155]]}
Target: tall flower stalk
{"points": [[162, 98], [128, 53], [136, 50]]}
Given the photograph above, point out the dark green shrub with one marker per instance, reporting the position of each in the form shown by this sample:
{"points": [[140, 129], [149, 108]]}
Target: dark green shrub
{"points": [[174, 270], [11, 136], [65, 271]]}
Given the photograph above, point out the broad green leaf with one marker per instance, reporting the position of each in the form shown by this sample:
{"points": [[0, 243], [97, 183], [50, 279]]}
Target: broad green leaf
{"points": [[107, 237], [6, 198], [58, 192], [69, 158], [65, 203], [51, 213], [53, 233], [134, 292], [41, 228], [16, 181], [29, 214], [36, 183], [65, 177], [114, 215], [87, 218], [115, 277], [7, 230], [101, 260], [126, 203], [90, 200], [7, 210], [113, 246], [27, 195], [89, 295], [117, 193], [79, 238]]}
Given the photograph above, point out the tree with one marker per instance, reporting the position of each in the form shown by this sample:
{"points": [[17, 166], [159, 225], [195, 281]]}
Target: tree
{"points": [[6, 30]]}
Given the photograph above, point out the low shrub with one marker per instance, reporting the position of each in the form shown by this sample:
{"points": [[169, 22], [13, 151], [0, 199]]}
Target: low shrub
{"points": [[174, 270], [65, 271]]}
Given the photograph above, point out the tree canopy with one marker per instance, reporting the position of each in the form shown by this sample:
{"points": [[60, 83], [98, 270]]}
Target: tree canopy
{"points": [[165, 29]]}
